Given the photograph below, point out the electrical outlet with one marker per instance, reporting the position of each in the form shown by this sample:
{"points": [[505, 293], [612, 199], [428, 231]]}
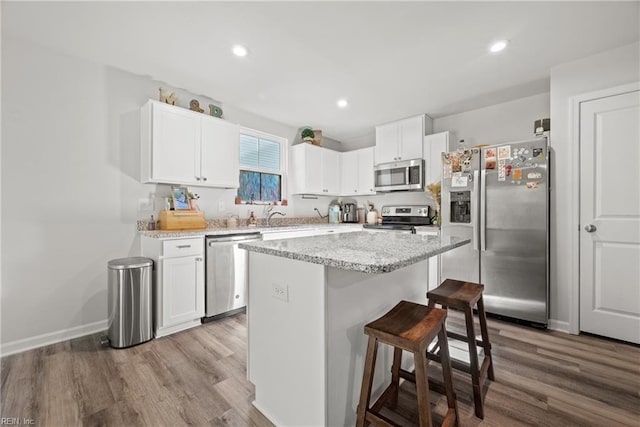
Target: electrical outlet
{"points": [[280, 292]]}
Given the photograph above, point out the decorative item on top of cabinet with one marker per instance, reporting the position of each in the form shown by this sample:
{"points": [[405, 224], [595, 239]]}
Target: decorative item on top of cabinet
{"points": [[317, 137], [215, 111], [168, 96], [194, 105], [307, 134]]}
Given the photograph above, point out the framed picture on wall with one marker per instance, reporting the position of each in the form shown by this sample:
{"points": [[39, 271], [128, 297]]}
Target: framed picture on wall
{"points": [[180, 197]]}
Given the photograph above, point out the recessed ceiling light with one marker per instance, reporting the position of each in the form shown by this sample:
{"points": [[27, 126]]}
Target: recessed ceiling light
{"points": [[239, 50], [342, 103], [498, 46]]}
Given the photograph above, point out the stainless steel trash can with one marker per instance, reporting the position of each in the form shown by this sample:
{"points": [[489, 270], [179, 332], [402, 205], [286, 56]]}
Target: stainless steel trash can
{"points": [[130, 301]]}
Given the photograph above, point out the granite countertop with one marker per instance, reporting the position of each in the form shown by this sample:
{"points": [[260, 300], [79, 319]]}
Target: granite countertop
{"points": [[368, 252], [161, 234]]}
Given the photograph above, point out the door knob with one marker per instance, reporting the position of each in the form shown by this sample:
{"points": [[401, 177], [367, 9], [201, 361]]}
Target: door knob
{"points": [[590, 228]]}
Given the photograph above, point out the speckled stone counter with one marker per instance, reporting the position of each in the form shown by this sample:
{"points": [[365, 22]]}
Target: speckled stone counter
{"points": [[161, 234], [367, 252]]}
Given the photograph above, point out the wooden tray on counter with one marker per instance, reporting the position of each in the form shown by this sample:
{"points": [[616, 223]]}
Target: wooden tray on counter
{"points": [[182, 220]]}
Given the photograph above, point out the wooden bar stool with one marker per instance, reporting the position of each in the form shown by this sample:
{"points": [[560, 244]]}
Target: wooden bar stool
{"points": [[464, 296], [410, 327]]}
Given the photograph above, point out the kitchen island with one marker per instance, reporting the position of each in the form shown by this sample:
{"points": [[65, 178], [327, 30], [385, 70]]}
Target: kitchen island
{"points": [[309, 299]]}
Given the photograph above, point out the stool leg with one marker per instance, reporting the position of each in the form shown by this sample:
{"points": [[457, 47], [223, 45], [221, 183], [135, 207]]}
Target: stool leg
{"points": [[367, 381], [447, 375], [395, 377], [473, 362], [422, 389], [485, 338]]}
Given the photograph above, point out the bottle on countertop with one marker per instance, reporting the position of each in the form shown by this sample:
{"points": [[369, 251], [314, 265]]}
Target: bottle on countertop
{"points": [[372, 215], [251, 222], [152, 224]]}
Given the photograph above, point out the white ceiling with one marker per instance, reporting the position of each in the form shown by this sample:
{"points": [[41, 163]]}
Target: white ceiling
{"points": [[389, 59]]}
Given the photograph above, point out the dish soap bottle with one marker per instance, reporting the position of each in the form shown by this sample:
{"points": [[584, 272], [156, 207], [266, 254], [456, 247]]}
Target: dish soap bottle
{"points": [[252, 220]]}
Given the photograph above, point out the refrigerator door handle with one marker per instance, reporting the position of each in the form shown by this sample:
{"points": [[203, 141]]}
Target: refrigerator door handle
{"points": [[474, 218], [483, 211]]}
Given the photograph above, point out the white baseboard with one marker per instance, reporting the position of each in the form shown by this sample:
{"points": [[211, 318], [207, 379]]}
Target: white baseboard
{"points": [[25, 344], [558, 325]]}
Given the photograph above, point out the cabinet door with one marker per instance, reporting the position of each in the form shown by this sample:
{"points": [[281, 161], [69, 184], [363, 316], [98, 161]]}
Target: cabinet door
{"points": [[366, 182], [412, 134], [387, 140], [220, 154], [175, 145], [434, 146], [305, 170], [330, 172], [350, 173], [182, 290], [312, 169]]}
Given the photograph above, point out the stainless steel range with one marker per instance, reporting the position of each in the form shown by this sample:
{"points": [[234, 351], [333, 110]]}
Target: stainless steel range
{"points": [[403, 218], [413, 219]]}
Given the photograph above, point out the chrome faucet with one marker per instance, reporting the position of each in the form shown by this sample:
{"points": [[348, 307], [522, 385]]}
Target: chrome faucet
{"points": [[268, 214]]}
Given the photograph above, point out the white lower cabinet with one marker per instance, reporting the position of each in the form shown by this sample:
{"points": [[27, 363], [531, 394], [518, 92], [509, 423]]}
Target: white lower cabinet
{"points": [[179, 283]]}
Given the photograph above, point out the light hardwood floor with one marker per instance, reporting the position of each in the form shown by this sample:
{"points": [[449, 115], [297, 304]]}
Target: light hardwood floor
{"points": [[198, 377]]}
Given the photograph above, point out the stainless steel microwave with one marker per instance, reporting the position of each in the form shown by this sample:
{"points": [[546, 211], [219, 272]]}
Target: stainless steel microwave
{"points": [[396, 176]]}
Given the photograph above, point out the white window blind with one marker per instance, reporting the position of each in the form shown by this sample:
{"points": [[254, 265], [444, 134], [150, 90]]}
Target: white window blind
{"points": [[259, 153]]}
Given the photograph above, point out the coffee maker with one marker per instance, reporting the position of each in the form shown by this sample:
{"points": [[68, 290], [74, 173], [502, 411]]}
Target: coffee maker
{"points": [[350, 212]]}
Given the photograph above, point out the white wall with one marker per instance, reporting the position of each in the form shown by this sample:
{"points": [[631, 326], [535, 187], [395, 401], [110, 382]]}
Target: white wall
{"points": [[505, 122], [71, 189], [607, 69]]}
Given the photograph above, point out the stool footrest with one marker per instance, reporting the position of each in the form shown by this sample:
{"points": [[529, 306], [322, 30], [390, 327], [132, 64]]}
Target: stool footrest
{"points": [[464, 338], [455, 364]]}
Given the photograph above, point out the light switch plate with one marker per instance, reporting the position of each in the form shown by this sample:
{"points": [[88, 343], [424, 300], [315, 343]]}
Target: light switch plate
{"points": [[145, 205]]}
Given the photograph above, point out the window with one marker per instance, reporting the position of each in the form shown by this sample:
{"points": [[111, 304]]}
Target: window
{"points": [[261, 166]]}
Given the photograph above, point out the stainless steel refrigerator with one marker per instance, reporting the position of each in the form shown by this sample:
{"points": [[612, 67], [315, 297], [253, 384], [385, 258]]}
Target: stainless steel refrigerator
{"points": [[499, 197]]}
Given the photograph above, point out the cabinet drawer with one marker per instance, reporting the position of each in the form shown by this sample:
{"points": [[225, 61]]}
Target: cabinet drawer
{"points": [[183, 247]]}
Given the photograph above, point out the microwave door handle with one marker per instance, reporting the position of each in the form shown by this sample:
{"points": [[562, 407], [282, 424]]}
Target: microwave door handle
{"points": [[406, 175], [474, 218]]}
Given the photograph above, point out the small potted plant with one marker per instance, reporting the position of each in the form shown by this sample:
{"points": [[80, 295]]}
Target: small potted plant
{"points": [[307, 135], [193, 201]]}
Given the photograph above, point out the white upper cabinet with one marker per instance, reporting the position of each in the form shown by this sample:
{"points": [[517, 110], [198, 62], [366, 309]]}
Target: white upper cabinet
{"points": [[357, 172], [314, 170], [365, 171], [325, 172], [220, 153], [434, 146], [180, 146], [331, 171], [401, 140]]}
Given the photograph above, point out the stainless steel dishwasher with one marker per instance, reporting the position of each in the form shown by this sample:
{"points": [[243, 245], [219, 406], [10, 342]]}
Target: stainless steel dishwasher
{"points": [[227, 274]]}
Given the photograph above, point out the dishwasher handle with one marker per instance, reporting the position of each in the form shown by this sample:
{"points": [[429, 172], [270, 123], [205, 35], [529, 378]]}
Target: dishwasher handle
{"points": [[211, 241]]}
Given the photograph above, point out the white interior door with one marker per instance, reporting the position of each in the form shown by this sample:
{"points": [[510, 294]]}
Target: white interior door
{"points": [[610, 216]]}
